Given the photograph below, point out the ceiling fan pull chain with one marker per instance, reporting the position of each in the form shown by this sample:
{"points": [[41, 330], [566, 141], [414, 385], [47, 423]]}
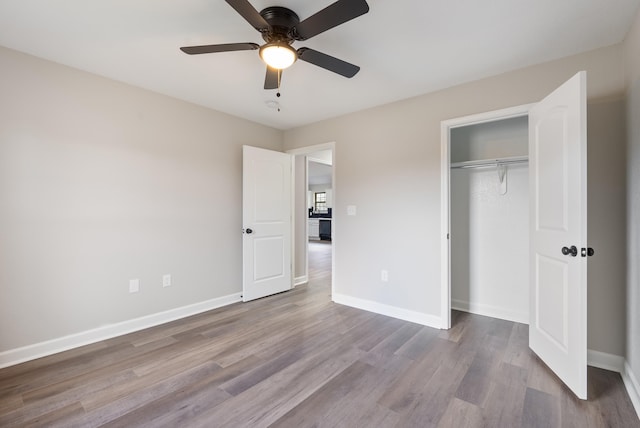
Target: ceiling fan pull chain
{"points": [[278, 94], [279, 80]]}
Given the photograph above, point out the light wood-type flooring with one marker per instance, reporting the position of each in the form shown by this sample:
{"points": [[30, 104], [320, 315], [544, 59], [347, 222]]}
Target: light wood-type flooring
{"points": [[298, 360]]}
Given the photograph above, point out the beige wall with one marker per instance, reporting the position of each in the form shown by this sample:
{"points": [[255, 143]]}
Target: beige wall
{"points": [[632, 69], [101, 182], [607, 228], [391, 158]]}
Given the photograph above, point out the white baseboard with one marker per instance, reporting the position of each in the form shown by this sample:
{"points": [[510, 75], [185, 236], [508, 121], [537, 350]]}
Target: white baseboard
{"points": [[49, 347], [633, 387], [390, 311], [616, 363], [490, 311], [300, 280], [602, 360]]}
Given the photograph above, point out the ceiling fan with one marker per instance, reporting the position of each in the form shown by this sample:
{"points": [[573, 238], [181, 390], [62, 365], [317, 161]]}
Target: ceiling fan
{"points": [[280, 27]]}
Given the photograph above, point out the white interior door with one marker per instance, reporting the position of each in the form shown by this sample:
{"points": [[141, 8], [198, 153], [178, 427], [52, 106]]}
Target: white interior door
{"points": [[267, 227], [558, 283]]}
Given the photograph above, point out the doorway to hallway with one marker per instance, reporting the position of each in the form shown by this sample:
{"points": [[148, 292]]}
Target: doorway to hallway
{"points": [[320, 263]]}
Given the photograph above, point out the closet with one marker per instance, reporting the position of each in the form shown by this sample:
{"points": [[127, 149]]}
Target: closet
{"points": [[489, 208]]}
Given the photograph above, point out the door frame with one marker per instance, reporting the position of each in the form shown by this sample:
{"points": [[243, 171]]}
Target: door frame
{"points": [[445, 193], [307, 150]]}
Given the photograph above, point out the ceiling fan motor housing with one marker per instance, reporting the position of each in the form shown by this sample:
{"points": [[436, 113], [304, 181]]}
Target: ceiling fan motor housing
{"points": [[281, 21]]}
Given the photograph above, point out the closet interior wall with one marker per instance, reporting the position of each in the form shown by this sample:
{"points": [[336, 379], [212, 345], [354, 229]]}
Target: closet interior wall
{"points": [[490, 220]]}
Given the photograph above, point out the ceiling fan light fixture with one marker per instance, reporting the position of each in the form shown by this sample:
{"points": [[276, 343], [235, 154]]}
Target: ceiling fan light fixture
{"points": [[278, 55]]}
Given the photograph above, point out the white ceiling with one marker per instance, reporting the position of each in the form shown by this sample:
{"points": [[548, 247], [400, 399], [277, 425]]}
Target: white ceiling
{"points": [[319, 173], [404, 47]]}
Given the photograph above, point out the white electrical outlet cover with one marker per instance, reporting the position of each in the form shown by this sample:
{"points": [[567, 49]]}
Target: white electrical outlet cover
{"points": [[166, 280]]}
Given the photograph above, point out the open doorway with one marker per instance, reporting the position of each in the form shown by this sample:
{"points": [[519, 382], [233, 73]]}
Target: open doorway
{"points": [[489, 211], [314, 222], [485, 215]]}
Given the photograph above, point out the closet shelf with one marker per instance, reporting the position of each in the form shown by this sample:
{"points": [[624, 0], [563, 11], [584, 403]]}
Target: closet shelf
{"points": [[483, 163]]}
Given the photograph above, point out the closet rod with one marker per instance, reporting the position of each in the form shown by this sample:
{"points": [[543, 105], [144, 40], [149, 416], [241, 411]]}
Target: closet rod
{"points": [[490, 162]]}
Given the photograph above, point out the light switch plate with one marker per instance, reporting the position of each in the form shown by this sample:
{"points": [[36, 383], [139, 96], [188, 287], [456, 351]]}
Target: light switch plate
{"points": [[351, 210], [134, 285]]}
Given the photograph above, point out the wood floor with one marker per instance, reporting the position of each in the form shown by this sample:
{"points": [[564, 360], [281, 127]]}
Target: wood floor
{"points": [[298, 360]]}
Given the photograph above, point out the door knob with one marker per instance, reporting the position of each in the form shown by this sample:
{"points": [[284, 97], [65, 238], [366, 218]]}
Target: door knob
{"points": [[248, 231], [573, 251]]}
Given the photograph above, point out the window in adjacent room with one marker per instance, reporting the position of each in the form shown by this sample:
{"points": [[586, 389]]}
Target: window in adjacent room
{"points": [[320, 202]]}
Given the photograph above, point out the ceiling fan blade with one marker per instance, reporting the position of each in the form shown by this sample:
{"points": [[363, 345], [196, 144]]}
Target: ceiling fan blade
{"points": [[328, 62], [329, 17], [228, 47], [249, 13], [271, 79]]}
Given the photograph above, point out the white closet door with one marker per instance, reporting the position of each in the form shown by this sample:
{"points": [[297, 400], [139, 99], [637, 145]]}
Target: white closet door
{"points": [[558, 283]]}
